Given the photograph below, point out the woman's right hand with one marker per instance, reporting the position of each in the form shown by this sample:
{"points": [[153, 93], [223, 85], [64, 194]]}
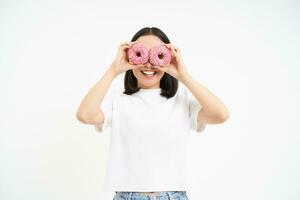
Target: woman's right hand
{"points": [[121, 63]]}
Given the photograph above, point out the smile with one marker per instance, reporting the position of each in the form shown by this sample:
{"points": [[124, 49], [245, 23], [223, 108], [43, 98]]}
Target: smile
{"points": [[149, 73]]}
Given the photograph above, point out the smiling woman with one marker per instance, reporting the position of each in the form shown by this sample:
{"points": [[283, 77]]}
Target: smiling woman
{"points": [[150, 39], [151, 121], [147, 76]]}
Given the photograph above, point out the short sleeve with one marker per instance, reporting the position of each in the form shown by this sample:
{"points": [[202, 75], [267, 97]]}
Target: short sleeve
{"points": [[107, 108], [194, 108]]}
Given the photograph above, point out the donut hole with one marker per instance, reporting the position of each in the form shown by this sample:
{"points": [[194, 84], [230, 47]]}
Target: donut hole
{"points": [[138, 54], [161, 56]]}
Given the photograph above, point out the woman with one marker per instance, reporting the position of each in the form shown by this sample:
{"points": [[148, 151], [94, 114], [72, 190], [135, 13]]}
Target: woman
{"points": [[150, 121]]}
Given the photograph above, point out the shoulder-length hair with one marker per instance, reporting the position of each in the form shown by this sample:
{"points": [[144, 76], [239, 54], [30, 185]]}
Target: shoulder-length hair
{"points": [[168, 83]]}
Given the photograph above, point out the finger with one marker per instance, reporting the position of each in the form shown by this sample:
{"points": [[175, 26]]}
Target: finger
{"points": [[125, 43], [130, 43], [125, 47], [176, 49], [168, 45], [137, 66], [173, 47], [133, 42], [173, 50]]}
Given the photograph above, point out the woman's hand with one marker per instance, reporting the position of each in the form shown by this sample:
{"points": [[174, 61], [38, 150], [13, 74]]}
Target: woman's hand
{"points": [[121, 63], [176, 68]]}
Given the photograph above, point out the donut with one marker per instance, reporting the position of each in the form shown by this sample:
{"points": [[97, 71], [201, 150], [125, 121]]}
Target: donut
{"points": [[160, 56], [137, 54]]}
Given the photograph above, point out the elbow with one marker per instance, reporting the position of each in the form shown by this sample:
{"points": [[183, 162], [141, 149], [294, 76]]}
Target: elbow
{"points": [[221, 117], [88, 118], [81, 117], [224, 116]]}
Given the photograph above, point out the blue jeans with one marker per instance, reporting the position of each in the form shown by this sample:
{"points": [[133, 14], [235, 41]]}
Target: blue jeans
{"points": [[168, 195]]}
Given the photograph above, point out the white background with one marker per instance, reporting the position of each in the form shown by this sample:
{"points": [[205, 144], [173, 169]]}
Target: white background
{"points": [[53, 52]]}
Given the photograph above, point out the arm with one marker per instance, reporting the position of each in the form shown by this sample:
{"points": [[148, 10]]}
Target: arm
{"points": [[213, 110], [89, 111]]}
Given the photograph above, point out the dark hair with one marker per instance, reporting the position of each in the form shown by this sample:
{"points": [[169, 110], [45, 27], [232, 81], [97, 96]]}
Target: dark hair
{"points": [[168, 83]]}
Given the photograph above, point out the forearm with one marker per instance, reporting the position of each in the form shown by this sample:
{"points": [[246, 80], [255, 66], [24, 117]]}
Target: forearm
{"points": [[90, 105], [211, 104]]}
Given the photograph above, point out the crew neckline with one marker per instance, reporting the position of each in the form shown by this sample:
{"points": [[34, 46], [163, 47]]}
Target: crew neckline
{"points": [[150, 90]]}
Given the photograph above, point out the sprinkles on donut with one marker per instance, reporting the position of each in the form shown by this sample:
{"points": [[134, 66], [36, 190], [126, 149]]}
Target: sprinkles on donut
{"points": [[160, 56], [137, 54]]}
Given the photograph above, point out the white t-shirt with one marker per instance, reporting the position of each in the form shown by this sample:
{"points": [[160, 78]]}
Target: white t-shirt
{"points": [[149, 137]]}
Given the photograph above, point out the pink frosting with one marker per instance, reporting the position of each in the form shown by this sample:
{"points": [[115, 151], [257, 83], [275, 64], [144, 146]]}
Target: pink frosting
{"points": [[160, 56], [137, 54]]}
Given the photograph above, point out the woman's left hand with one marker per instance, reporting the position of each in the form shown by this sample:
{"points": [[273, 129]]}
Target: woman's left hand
{"points": [[176, 68]]}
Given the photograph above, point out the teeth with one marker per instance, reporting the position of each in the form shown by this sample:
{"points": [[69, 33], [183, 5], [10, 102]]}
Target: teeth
{"points": [[148, 72]]}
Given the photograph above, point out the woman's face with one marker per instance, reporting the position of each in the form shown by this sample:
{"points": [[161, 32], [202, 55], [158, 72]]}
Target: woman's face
{"points": [[152, 81]]}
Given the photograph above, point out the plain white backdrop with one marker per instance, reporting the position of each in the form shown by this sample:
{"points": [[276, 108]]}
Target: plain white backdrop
{"points": [[53, 52]]}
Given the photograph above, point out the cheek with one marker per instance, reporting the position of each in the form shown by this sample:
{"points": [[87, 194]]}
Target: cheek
{"points": [[138, 74], [135, 73], [161, 74]]}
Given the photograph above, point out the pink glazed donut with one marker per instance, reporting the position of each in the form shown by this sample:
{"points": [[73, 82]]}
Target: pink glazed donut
{"points": [[137, 54], [160, 56]]}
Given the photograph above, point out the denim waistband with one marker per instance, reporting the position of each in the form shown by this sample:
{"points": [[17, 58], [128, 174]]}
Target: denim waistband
{"points": [[156, 195]]}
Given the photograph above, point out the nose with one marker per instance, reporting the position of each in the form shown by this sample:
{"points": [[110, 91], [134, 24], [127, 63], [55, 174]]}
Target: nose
{"points": [[148, 65]]}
